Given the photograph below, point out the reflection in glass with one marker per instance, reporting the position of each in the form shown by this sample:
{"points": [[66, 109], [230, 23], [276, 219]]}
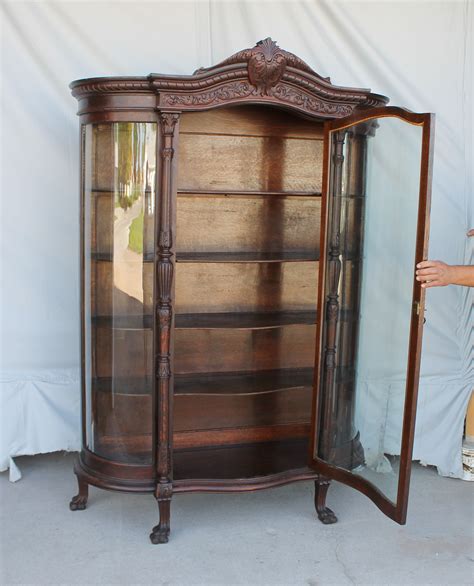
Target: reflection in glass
{"points": [[119, 177], [370, 271]]}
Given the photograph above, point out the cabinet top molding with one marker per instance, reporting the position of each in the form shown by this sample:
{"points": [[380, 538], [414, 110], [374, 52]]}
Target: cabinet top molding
{"points": [[262, 74]]}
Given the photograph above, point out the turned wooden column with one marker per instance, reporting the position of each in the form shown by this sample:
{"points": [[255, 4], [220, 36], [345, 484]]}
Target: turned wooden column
{"points": [[329, 398], [347, 191], [164, 273]]}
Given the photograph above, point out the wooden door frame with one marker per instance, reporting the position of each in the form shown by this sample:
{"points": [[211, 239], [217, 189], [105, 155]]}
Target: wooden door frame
{"points": [[397, 511]]}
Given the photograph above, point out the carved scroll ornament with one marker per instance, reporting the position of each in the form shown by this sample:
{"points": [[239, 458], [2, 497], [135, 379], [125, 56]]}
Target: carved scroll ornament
{"points": [[266, 64]]}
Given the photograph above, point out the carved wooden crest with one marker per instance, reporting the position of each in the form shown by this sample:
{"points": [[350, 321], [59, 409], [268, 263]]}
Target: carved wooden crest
{"points": [[261, 74], [266, 63]]}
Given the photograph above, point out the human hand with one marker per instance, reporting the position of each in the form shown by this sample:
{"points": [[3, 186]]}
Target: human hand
{"points": [[471, 232], [434, 273]]}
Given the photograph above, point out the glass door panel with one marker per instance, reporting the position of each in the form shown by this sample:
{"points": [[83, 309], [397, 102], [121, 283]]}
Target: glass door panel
{"points": [[377, 192], [118, 209]]}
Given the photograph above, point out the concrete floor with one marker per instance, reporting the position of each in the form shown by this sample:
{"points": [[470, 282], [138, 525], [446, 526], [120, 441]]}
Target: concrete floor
{"points": [[266, 538]]}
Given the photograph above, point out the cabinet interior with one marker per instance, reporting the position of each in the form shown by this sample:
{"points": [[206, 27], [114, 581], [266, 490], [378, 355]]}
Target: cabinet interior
{"points": [[247, 231], [246, 244]]}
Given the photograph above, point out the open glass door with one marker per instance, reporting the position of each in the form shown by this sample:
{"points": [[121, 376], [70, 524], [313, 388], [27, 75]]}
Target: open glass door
{"points": [[376, 196]]}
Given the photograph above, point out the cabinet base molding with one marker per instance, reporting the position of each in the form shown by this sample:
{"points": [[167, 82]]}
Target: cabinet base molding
{"points": [[160, 533], [95, 471]]}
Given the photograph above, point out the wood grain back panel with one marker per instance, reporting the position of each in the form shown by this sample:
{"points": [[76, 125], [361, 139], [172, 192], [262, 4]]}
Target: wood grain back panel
{"points": [[267, 223], [244, 350], [227, 287], [220, 412], [249, 148], [123, 353], [265, 163], [251, 121]]}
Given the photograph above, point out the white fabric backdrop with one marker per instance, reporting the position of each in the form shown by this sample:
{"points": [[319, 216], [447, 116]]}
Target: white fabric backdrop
{"points": [[418, 53]]}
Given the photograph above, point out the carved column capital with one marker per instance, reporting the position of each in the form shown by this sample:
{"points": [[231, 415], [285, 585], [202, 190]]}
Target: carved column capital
{"points": [[168, 122]]}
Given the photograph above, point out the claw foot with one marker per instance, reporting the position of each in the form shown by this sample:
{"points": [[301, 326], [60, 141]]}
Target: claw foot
{"points": [[159, 535], [78, 503], [326, 516], [161, 532]]}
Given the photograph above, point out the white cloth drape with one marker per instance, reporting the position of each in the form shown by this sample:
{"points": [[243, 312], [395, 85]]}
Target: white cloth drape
{"points": [[418, 53]]}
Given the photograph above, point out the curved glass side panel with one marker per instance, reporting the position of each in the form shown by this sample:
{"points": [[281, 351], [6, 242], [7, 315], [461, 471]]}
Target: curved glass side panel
{"points": [[372, 331], [119, 184]]}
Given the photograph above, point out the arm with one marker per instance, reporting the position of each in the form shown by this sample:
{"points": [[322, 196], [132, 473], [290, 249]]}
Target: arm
{"points": [[435, 273]]}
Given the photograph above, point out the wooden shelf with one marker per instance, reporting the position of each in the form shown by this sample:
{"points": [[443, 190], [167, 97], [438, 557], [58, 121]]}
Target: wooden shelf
{"points": [[244, 320], [124, 322], [123, 385], [243, 383], [214, 383], [197, 456], [212, 321], [109, 257], [244, 257], [215, 321], [102, 191], [224, 257], [245, 193]]}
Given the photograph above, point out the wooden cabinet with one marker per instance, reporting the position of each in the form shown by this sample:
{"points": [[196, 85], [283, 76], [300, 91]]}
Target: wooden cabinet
{"points": [[249, 236]]}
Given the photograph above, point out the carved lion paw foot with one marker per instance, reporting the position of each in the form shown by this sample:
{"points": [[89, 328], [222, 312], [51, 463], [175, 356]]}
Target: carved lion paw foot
{"points": [[78, 503], [159, 535], [326, 516]]}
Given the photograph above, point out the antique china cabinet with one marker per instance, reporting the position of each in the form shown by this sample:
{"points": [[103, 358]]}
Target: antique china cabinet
{"points": [[250, 316]]}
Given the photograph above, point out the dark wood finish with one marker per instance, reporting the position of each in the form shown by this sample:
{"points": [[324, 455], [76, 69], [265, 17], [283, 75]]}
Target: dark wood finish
{"points": [[245, 485], [296, 87], [230, 350], [246, 257], [240, 435], [240, 462], [112, 475], [160, 533], [123, 322], [164, 269], [82, 286], [79, 502], [122, 353], [244, 320], [243, 383], [332, 300], [325, 515], [247, 193], [228, 305], [418, 304], [211, 321], [234, 412]]}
